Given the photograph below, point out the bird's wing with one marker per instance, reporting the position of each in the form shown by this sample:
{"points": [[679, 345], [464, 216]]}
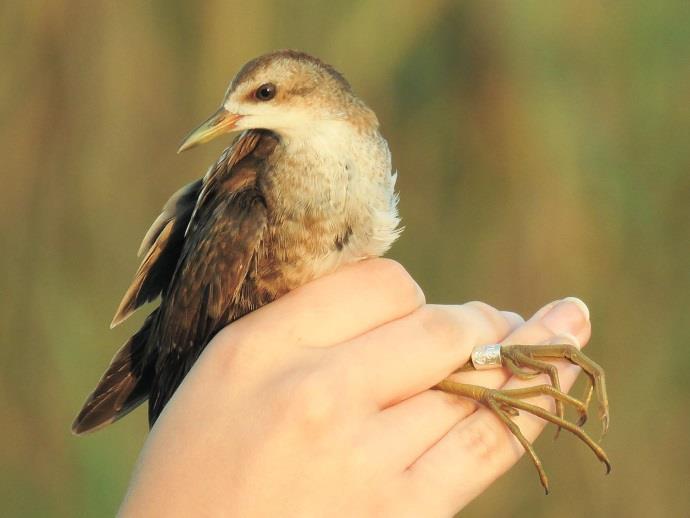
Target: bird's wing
{"points": [[206, 293], [164, 241], [123, 387], [196, 255], [162, 246]]}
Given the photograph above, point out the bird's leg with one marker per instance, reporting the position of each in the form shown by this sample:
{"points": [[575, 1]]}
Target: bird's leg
{"points": [[516, 363], [507, 403]]}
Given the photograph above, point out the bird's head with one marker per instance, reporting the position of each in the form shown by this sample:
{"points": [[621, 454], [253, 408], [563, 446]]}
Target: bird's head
{"points": [[288, 92]]}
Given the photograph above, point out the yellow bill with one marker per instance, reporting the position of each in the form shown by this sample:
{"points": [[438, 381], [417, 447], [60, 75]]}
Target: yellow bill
{"points": [[217, 124]]}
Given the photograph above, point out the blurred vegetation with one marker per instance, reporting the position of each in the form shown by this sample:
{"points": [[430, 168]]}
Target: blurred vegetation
{"points": [[543, 150]]}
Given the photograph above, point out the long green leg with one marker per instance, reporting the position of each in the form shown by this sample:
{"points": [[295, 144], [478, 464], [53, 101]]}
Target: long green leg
{"points": [[500, 401], [514, 357], [507, 403]]}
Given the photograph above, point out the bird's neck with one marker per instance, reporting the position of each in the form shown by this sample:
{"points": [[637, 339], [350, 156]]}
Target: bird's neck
{"points": [[328, 137], [331, 196], [315, 170]]}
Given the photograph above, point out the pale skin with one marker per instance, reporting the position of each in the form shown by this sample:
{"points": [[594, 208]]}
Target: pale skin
{"points": [[320, 405]]}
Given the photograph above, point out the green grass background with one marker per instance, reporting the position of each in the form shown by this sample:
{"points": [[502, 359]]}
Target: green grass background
{"points": [[543, 150]]}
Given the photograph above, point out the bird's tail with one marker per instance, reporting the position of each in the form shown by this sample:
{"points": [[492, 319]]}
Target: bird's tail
{"points": [[124, 386]]}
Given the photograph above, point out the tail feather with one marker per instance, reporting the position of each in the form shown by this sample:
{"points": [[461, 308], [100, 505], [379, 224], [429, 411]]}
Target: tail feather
{"points": [[124, 386]]}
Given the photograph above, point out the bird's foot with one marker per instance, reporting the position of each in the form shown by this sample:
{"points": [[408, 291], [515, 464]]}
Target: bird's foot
{"points": [[527, 361]]}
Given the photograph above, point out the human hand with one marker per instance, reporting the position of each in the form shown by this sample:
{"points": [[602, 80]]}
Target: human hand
{"points": [[318, 404]]}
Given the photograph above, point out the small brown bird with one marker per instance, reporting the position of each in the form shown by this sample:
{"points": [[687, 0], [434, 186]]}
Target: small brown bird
{"points": [[306, 187]]}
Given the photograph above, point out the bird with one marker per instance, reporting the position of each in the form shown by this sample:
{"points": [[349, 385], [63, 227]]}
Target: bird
{"points": [[306, 186]]}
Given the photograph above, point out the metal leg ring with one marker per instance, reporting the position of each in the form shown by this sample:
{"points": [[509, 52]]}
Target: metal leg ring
{"points": [[486, 356]]}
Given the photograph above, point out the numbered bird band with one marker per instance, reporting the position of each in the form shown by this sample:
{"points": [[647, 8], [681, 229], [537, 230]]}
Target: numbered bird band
{"points": [[486, 357]]}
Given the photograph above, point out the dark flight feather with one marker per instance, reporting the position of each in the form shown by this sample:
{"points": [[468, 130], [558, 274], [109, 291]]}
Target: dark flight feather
{"points": [[163, 245], [123, 387], [198, 253]]}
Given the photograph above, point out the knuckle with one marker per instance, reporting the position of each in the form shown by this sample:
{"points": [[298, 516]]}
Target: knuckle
{"points": [[490, 315], [359, 458], [392, 273], [313, 399], [441, 324]]}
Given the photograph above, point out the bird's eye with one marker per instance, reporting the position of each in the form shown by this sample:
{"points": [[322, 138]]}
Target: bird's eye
{"points": [[265, 92]]}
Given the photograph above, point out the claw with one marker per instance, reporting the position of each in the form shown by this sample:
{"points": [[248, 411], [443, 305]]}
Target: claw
{"points": [[509, 402], [604, 424], [505, 396], [515, 429]]}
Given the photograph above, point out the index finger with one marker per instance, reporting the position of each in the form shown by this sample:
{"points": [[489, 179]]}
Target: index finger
{"points": [[414, 353]]}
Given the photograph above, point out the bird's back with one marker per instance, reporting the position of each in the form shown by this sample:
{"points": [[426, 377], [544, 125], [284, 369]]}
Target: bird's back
{"points": [[265, 219], [198, 253]]}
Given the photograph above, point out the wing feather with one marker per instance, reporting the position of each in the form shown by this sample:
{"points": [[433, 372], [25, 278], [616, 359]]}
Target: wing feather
{"points": [[196, 256], [222, 242], [163, 242], [162, 245]]}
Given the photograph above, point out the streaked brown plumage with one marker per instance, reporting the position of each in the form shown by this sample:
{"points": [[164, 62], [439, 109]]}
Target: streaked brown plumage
{"points": [[307, 187]]}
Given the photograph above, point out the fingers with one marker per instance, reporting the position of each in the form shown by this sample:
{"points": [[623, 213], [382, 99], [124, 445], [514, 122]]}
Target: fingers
{"points": [[415, 352], [420, 421], [535, 331], [403, 432], [480, 448], [332, 309], [568, 316]]}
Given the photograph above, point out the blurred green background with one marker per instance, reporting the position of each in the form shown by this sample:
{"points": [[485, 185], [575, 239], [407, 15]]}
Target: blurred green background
{"points": [[543, 150]]}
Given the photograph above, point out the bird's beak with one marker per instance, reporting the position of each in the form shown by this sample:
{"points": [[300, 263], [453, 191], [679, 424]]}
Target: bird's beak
{"points": [[220, 122]]}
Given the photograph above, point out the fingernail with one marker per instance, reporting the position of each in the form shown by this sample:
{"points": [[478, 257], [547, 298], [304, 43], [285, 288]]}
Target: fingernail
{"points": [[570, 315], [583, 307]]}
